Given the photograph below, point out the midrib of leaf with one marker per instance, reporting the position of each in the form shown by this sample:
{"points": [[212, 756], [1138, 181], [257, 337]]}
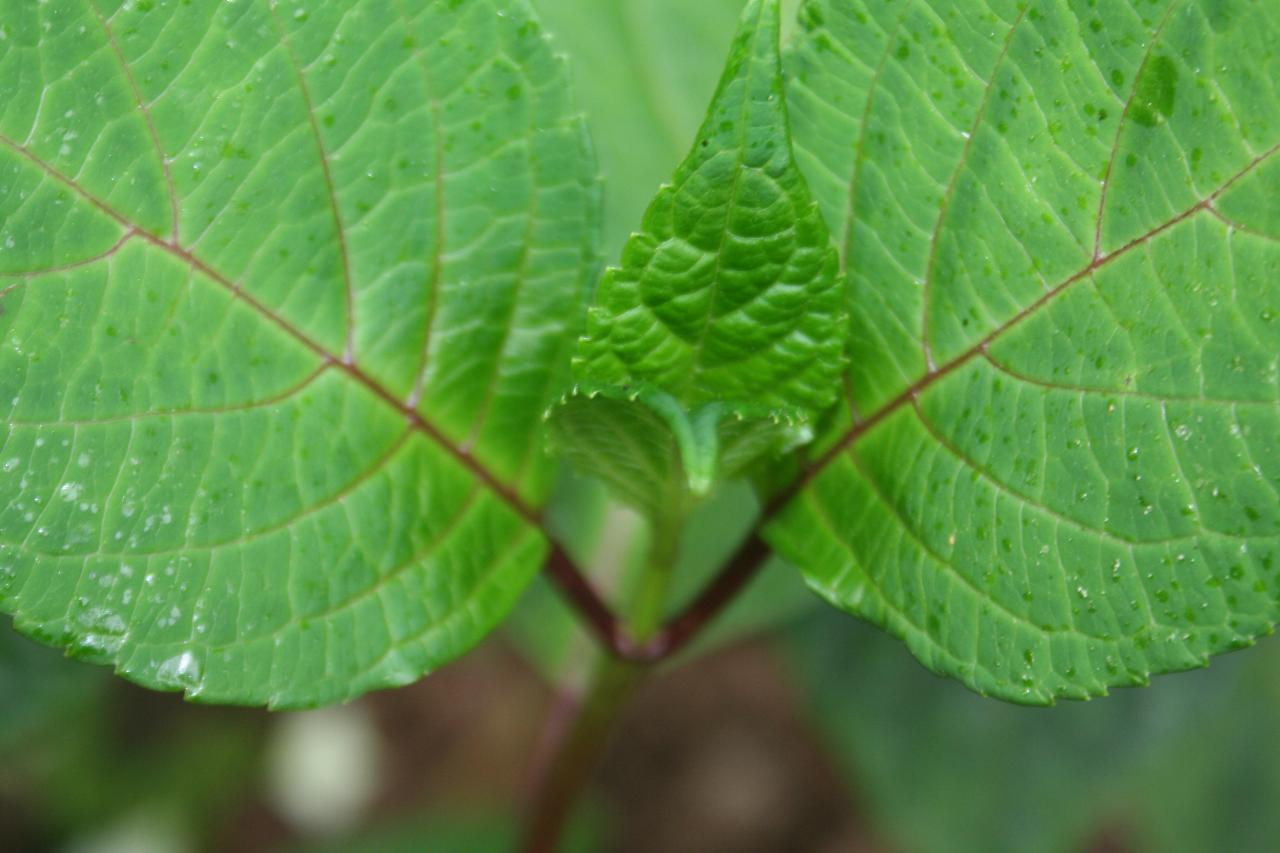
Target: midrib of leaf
{"points": [[487, 481], [859, 571], [416, 420], [1120, 392], [846, 243], [728, 216], [860, 428]]}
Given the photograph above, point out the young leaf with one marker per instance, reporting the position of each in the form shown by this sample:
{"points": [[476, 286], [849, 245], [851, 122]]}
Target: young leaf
{"points": [[281, 290], [1062, 242], [729, 291], [650, 451], [727, 302]]}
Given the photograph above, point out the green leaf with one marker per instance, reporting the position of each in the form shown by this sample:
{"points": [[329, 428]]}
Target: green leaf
{"points": [[283, 289], [1062, 240], [644, 71], [652, 453], [1001, 777], [729, 291], [39, 691], [726, 308]]}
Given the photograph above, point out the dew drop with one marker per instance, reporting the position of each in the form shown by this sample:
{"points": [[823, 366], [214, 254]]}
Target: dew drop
{"points": [[104, 630], [180, 671]]}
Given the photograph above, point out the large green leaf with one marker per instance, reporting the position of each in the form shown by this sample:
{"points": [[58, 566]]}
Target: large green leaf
{"points": [[723, 323], [1060, 465], [284, 288]]}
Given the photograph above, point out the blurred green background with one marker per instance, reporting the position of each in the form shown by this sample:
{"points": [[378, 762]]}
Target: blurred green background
{"points": [[791, 727]]}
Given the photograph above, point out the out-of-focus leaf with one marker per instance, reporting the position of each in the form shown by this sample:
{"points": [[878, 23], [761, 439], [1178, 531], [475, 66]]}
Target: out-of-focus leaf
{"points": [[644, 70], [1188, 764], [39, 689], [657, 457]]}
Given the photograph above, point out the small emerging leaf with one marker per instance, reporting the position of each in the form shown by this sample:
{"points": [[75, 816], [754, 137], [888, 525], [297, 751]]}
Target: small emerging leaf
{"points": [[729, 299]]}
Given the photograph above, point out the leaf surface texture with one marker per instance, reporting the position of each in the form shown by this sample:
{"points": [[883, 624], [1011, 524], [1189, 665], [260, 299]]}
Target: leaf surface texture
{"points": [[729, 290]]}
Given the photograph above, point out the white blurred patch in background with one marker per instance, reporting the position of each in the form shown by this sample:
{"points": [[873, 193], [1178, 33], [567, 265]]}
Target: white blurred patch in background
{"points": [[323, 769]]}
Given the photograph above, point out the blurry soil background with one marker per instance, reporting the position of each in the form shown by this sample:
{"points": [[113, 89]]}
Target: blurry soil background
{"points": [[714, 756], [828, 737]]}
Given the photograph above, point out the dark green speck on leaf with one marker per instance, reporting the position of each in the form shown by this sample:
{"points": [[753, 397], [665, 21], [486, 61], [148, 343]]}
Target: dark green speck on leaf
{"points": [[1157, 88]]}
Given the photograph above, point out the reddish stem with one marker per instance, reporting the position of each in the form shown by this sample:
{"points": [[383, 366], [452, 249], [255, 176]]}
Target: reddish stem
{"points": [[600, 620], [679, 631], [572, 751]]}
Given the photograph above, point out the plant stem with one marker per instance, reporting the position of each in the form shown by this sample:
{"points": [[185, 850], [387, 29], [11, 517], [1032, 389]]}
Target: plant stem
{"points": [[583, 598], [613, 684], [741, 569], [575, 759]]}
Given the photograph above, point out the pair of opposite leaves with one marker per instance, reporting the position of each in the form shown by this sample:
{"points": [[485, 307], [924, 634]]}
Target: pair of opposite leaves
{"points": [[265, 448]]}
